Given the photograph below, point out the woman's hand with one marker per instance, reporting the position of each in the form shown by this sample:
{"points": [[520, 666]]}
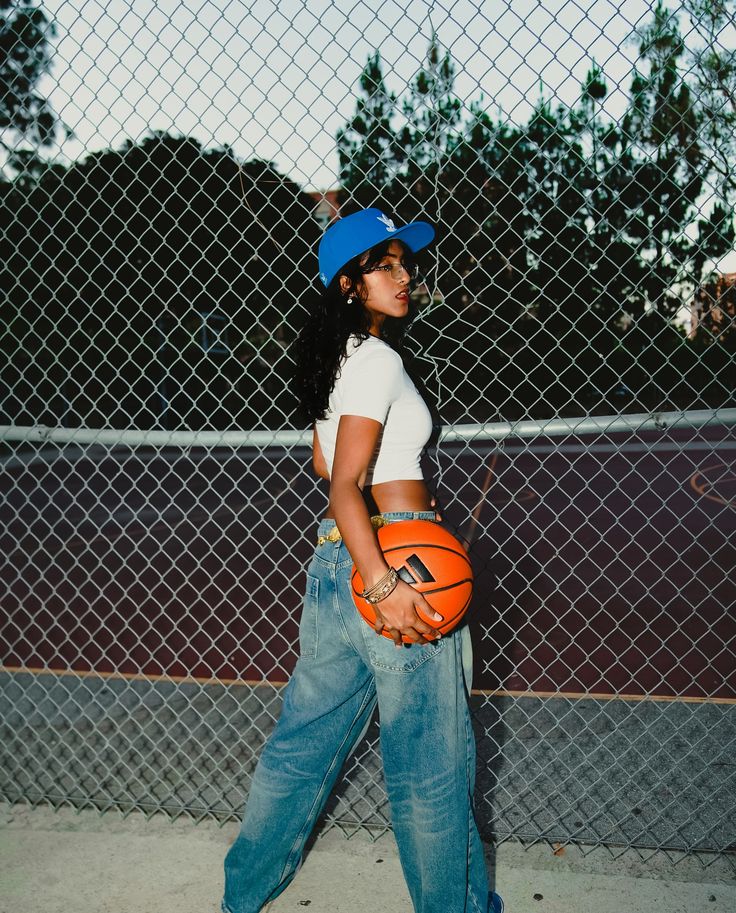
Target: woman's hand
{"points": [[397, 613]]}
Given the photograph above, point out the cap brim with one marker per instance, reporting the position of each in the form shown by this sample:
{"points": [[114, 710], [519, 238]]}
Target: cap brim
{"points": [[416, 235]]}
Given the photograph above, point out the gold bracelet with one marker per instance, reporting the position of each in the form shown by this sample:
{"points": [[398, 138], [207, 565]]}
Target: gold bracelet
{"points": [[382, 588], [386, 591], [379, 583]]}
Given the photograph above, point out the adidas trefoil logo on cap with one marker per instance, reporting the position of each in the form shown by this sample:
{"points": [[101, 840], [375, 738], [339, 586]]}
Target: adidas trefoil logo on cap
{"points": [[389, 223]]}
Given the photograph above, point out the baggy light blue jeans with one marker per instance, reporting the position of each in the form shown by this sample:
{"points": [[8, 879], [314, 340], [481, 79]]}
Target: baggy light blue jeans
{"points": [[344, 670]]}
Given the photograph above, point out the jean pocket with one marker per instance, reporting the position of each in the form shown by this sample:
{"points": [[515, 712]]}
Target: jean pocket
{"points": [[308, 622], [386, 656]]}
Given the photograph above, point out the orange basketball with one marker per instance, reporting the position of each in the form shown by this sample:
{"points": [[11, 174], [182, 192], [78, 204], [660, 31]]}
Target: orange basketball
{"points": [[430, 559]]}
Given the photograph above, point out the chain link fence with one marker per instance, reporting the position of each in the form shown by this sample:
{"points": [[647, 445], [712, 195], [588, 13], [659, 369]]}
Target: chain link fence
{"points": [[167, 171]]}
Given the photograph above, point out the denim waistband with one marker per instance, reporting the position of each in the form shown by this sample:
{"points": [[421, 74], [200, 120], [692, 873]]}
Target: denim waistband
{"points": [[392, 515]]}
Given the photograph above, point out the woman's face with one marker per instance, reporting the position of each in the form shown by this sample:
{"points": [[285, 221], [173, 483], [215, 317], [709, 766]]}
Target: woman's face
{"points": [[385, 289]]}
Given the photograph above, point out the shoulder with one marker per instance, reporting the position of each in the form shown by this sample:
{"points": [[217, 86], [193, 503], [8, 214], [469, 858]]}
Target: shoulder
{"points": [[372, 353], [371, 379], [372, 370]]}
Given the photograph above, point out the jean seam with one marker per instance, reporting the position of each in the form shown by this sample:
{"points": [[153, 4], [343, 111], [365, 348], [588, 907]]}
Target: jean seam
{"points": [[324, 562], [320, 792], [340, 618], [469, 778], [313, 582], [429, 651]]}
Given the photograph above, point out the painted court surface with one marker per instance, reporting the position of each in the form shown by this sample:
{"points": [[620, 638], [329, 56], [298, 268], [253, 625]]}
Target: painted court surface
{"points": [[603, 565]]}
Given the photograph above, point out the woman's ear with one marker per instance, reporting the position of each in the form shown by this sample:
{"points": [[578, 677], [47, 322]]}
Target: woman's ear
{"points": [[344, 284]]}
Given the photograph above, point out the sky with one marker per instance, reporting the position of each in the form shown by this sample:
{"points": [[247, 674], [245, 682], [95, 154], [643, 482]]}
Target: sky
{"points": [[277, 80]]}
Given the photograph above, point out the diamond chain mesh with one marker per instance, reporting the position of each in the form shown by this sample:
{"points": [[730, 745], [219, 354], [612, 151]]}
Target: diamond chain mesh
{"points": [[166, 171]]}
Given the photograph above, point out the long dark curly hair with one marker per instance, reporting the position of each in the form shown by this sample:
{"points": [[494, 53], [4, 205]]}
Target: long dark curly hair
{"points": [[322, 340]]}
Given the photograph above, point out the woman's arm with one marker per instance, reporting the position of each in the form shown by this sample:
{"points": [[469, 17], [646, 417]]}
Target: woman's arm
{"points": [[356, 441], [318, 458]]}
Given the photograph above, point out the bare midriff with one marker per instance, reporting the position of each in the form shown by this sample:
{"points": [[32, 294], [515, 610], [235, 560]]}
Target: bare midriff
{"points": [[400, 494]]}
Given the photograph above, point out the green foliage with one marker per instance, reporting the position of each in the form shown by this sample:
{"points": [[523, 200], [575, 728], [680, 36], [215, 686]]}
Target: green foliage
{"points": [[565, 247], [114, 262], [557, 238], [25, 56], [366, 147], [711, 67]]}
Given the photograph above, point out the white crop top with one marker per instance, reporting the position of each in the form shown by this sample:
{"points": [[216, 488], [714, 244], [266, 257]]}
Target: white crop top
{"points": [[372, 382]]}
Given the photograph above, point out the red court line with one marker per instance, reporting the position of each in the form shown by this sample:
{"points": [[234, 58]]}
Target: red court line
{"points": [[701, 488]]}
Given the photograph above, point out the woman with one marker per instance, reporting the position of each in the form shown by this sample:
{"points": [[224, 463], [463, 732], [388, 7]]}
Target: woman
{"points": [[370, 427]]}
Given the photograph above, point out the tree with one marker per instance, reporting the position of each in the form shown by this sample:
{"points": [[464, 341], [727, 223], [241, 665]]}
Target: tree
{"points": [[430, 135], [26, 117], [712, 67], [424, 172], [367, 146], [559, 239], [126, 265], [666, 165]]}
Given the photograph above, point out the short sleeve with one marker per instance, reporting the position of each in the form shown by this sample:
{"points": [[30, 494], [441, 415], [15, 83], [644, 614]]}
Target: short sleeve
{"points": [[371, 381]]}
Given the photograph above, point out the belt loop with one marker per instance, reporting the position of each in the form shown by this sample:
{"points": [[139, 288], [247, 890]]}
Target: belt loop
{"points": [[334, 535], [378, 521]]}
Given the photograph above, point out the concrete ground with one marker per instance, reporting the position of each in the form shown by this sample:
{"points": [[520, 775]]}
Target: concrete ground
{"points": [[83, 862]]}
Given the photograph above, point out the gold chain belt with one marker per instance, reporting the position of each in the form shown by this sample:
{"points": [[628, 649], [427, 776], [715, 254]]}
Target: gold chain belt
{"points": [[335, 535]]}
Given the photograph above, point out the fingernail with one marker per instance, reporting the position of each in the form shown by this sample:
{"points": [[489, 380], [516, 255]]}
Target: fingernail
{"points": [[437, 617]]}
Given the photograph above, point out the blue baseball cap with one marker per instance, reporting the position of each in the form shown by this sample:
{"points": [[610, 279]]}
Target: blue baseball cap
{"points": [[357, 233]]}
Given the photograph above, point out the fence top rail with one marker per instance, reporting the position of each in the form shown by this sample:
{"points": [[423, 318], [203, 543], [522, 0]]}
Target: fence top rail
{"points": [[489, 431]]}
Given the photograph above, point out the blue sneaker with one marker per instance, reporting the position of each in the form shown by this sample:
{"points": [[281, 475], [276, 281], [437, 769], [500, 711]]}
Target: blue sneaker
{"points": [[495, 903]]}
